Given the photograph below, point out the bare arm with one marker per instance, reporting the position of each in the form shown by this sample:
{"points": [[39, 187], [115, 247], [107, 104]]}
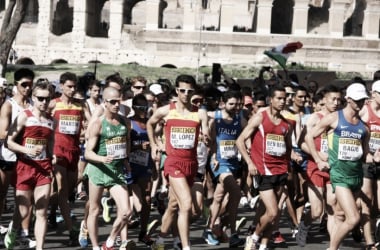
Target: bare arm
{"points": [[5, 119], [150, 128], [94, 134], [204, 125], [246, 134], [14, 131], [325, 124]]}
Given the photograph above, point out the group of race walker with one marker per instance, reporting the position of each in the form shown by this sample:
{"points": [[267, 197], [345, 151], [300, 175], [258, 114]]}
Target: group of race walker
{"points": [[313, 153]]}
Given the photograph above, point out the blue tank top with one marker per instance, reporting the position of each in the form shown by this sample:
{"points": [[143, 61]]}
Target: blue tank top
{"points": [[226, 135], [139, 158]]}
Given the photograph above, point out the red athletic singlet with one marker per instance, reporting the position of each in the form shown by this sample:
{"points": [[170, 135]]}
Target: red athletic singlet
{"points": [[181, 133], [268, 150], [69, 123], [373, 124], [37, 134]]}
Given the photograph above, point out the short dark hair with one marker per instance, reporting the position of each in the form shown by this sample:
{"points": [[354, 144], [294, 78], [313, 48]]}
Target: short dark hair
{"points": [[68, 76], [138, 99], [185, 78], [231, 94], [23, 73], [276, 88], [329, 89], [115, 78]]}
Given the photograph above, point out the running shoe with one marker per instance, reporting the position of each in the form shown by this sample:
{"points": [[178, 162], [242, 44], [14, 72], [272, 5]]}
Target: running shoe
{"points": [[177, 245], [27, 243], [146, 240], [127, 245], [253, 201], [377, 231], [104, 247], [158, 246], [209, 237], [277, 238], [250, 244], [73, 237], [240, 223], [152, 227], [235, 241], [244, 201], [83, 235], [106, 209], [10, 239], [357, 233]]}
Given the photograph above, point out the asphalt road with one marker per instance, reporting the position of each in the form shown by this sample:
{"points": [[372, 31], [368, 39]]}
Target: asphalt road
{"points": [[58, 239]]}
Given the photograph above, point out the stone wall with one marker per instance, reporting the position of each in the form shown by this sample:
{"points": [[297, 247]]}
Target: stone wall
{"points": [[338, 35]]}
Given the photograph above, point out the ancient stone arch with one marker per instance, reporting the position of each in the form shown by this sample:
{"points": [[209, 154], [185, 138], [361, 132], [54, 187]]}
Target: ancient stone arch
{"points": [[97, 18], [62, 17], [282, 16]]}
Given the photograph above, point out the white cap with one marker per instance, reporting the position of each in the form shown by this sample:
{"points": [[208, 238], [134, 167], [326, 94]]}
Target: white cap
{"points": [[376, 86], [356, 92], [156, 89]]}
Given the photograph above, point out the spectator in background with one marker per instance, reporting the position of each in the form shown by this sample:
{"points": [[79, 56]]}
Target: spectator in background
{"points": [[312, 88]]}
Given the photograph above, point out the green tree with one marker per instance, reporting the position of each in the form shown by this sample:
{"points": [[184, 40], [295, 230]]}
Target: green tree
{"points": [[13, 17]]}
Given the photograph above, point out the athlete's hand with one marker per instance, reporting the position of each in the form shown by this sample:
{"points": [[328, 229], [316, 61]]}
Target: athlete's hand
{"points": [[323, 156], [145, 145], [323, 166], [252, 169], [107, 159], [155, 153], [214, 163], [35, 151], [376, 156]]}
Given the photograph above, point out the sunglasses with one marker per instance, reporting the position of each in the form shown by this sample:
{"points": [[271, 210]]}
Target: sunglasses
{"points": [[139, 87], [43, 98], [78, 100], [186, 91], [289, 94], [26, 84], [113, 101], [141, 108]]}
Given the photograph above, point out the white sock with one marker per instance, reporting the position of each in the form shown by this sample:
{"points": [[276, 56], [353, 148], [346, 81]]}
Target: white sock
{"points": [[255, 237], [109, 242], [262, 247], [96, 248], [24, 232], [186, 248]]}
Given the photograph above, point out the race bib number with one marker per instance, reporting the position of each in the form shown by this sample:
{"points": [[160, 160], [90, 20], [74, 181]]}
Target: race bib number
{"points": [[324, 144], [36, 143], [69, 124], [349, 149], [139, 157], [182, 137], [117, 147], [275, 145], [374, 141], [228, 149]]}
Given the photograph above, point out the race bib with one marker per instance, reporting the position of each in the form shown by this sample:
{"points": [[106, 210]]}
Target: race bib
{"points": [[117, 147], [139, 157], [36, 143], [182, 137], [374, 141], [350, 149], [228, 149], [275, 145], [324, 144], [69, 124]]}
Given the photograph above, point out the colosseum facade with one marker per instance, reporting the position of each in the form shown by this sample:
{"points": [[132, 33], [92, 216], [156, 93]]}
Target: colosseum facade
{"points": [[341, 35]]}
